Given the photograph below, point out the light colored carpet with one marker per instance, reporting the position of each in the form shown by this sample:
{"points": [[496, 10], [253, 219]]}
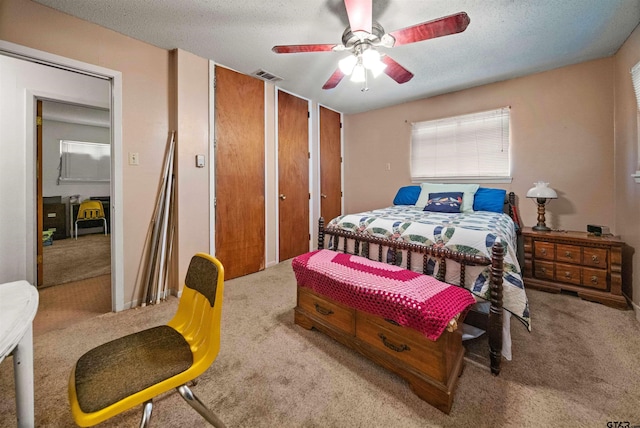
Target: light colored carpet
{"points": [[69, 260], [70, 303], [577, 368]]}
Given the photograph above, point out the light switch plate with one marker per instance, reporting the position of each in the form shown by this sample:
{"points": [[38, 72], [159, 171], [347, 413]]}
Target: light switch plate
{"points": [[200, 161]]}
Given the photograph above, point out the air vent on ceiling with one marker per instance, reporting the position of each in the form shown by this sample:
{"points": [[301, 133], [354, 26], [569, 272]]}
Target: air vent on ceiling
{"points": [[265, 75]]}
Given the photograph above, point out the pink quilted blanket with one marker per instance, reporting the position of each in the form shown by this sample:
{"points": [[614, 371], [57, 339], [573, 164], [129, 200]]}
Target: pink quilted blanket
{"points": [[409, 298]]}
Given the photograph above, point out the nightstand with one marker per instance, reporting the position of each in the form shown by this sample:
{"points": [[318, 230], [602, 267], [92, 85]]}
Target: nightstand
{"points": [[588, 265]]}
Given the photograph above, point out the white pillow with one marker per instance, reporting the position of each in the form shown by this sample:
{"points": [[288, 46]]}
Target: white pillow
{"points": [[468, 192]]}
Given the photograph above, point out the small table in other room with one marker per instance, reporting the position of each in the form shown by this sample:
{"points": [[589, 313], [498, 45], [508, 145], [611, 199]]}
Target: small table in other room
{"points": [[18, 307]]}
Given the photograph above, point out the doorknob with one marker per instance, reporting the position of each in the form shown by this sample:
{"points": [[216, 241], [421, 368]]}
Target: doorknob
{"points": [[282, 196], [323, 196]]}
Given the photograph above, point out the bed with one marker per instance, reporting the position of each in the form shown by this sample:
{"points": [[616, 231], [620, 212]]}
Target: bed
{"points": [[484, 217]]}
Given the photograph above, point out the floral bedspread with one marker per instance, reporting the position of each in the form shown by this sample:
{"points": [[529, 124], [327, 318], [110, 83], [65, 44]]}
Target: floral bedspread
{"points": [[473, 233]]}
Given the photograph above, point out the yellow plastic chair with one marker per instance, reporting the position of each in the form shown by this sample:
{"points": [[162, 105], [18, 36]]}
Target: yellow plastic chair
{"points": [[91, 210], [134, 369]]}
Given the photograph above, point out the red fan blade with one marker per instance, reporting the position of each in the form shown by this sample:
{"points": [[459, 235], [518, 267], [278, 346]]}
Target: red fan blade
{"points": [[430, 30], [359, 13], [333, 81], [301, 48], [396, 71]]}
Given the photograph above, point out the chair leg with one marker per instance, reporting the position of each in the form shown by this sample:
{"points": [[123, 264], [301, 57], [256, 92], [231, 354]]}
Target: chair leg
{"points": [[146, 414], [76, 230], [105, 225], [194, 402]]}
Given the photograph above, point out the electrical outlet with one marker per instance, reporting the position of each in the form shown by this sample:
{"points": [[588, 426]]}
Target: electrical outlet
{"points": [[134, 158], [388, 166]]}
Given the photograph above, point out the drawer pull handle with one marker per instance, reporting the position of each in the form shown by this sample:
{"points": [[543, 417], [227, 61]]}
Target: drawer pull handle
{"points": [[396, 348], [543, 270], [391, 321], [543, 251], [594, 259], [567, 254], [594, 279], [323, 311], [567, 275]]}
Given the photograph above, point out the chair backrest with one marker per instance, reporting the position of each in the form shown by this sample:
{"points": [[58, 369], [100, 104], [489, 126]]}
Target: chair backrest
{"points": [[90, 210], [200, 309]]}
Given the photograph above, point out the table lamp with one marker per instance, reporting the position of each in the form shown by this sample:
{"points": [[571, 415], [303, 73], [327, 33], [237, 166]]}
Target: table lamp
{"points": [[542, 193]]}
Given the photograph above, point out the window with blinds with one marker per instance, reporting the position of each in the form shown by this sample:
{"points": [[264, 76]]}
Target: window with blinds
{"points": [[472, 146], [84, 161], [635, 78]]}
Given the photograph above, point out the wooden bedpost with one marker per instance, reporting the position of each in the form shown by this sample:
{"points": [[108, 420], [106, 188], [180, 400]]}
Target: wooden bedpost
{"points": [[320, 233], [495, 310]]}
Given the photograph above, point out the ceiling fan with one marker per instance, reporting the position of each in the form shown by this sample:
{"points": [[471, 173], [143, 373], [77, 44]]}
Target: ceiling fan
{"points": [[363, 36]]}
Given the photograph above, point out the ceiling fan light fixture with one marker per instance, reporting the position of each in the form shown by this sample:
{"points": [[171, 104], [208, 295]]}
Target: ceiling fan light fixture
{"points": [[346, 64], [378, 68], [370, 58]]}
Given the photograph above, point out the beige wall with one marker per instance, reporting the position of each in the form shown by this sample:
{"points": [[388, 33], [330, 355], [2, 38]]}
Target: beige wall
{"points": [[627, 191], [146, 114], [562, 132], [192, 138]]}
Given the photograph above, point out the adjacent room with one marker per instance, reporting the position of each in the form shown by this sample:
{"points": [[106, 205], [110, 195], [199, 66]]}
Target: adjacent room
{"points": [[340, 213]]}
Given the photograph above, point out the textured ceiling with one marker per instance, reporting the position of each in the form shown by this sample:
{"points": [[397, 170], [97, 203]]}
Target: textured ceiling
{"points": [[505, 39]]}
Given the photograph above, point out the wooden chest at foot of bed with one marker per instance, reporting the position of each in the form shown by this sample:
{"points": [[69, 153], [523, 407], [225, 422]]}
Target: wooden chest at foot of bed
{"points": [[432, 368]]}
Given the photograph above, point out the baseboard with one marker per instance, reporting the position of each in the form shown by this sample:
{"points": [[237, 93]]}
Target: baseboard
{"points": [[271, 264]]}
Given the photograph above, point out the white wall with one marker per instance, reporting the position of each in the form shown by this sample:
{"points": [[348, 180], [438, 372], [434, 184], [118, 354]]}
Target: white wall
{"points": [[20, 83], [54, 131]]}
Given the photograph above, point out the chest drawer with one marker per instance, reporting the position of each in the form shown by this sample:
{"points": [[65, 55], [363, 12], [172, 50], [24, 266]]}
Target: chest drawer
{"points": [[594, 278], [544, 270], [339, 316], [568, 273], [544, 250], [595, 257], [402, 343], [568, 253]]}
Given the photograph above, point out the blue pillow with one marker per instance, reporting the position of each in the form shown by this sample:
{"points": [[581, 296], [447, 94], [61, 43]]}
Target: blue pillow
{"points": [[407, 195], [489, 200], [444, 202]]}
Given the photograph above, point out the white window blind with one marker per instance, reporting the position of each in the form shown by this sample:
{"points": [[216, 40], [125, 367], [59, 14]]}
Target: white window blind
{"points": [[635, 78], [472, 146], [84, 161]]}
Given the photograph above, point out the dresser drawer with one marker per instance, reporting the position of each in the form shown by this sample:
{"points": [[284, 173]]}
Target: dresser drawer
{"points": [[544, 250], [568, 253], [568, 273], [404, 344], [544, 270], [595, 257], [594, 278], [338, 316]]}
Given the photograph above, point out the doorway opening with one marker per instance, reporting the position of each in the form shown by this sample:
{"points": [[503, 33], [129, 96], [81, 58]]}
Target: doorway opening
{"points": [[44, 76]]}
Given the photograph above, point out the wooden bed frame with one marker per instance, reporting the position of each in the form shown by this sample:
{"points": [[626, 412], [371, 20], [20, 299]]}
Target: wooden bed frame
{"points": [[431, 368]]}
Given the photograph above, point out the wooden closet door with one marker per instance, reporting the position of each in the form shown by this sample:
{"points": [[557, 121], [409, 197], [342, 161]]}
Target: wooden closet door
{"points": [[293, 175], [239, 173], [330, 164]]}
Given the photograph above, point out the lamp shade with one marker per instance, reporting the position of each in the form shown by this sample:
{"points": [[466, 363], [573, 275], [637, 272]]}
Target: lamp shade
{"points": [[542, 190]]}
